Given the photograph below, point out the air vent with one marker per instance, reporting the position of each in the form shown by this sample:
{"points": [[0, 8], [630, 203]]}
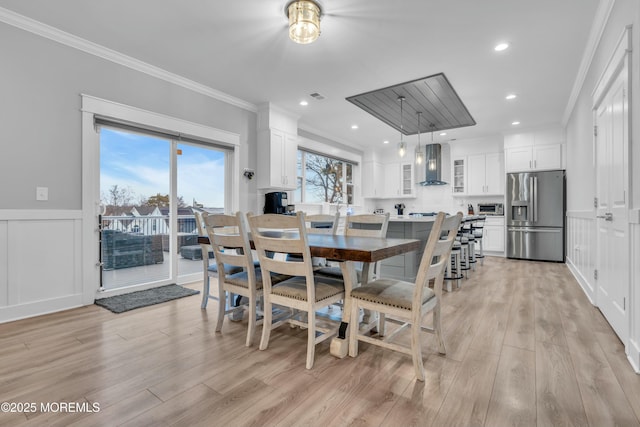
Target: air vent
{"points": [[317, 96]]}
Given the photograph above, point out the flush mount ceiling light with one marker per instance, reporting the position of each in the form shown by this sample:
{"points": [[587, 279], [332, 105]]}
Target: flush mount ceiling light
{"points": [[402, 146], [304, 20], [501, 46]]}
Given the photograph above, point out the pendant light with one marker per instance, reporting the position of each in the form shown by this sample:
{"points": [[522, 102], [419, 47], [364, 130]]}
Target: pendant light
{"points": [[432, 161], [419, 152], [402, 146]]}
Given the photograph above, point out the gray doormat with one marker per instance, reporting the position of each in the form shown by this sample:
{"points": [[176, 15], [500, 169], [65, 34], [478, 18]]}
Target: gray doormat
{"points": [[133, 300]]}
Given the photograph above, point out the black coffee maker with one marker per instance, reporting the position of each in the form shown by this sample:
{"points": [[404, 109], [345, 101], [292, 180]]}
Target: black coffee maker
{"points": [[276, 202], [400, 208]]}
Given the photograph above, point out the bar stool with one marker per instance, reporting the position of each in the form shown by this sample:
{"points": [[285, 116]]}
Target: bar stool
{"points": [[466, 239], [478, 231], [453, 269]]}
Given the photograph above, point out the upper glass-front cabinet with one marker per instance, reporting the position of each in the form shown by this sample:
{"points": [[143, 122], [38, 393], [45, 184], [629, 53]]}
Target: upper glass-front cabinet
{"points": [[459, 172]]}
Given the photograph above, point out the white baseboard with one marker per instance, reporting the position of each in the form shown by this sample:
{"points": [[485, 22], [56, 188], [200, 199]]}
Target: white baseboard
{"points": [[633, 355], [39, 308], [582, 281]]}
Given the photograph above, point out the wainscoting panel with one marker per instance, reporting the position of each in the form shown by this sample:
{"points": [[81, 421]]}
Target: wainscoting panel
{"points": [[40, 262], [581, 249], [4, 265], [633, 350]]}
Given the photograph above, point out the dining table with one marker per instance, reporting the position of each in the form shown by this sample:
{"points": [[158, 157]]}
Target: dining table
{"points": [[347, 251]]}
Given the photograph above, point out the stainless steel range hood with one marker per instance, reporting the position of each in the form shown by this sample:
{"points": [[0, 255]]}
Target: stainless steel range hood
{"points": [[433, 157]]}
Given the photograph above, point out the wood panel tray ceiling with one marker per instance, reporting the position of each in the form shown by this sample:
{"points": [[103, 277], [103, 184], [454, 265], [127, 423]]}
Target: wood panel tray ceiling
{"points": [[433, 96]]}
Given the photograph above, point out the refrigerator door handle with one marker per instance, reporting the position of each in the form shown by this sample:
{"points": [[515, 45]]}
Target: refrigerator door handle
{"points": [[531, 201], [535, 199]]}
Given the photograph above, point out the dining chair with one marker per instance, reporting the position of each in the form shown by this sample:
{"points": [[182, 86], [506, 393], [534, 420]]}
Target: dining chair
{"points": [[210, 269], [231, 247], [363, 225], [406, 303], [322, 224], [303, 293]]}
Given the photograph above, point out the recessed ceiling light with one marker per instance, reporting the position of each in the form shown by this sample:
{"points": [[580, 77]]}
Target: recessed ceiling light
{"points": [[500, 47], [385, 142], [443, 134], [304, 103], [515, 123], [354, 126], [510, 96]]}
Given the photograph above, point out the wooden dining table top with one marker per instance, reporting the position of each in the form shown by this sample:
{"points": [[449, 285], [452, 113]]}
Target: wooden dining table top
{"points": [[350, 248]]}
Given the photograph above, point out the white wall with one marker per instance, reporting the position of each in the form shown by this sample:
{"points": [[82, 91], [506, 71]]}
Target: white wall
{"points": [[580, 161]]}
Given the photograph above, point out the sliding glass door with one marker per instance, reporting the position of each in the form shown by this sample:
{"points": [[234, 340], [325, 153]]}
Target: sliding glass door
{"points": [[150, 187]]}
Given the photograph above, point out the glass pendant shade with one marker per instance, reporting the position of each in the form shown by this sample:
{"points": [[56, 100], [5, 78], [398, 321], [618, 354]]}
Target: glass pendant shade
{"points": [[304, 21], [402, 148]]}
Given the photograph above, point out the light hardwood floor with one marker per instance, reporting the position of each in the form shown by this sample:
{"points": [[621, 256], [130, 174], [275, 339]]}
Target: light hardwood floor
{"points": [[525, 348]]}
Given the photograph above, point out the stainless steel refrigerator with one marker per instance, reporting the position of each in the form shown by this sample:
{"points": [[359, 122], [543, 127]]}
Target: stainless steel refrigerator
{"points": [[536, 215]]}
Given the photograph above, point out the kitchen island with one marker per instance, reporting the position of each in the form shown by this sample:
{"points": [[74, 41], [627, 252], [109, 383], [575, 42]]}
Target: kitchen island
{"points": [[405, 267]]}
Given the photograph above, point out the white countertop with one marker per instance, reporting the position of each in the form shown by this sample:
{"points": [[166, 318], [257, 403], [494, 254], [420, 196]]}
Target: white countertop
{"points": [[410, 218]]}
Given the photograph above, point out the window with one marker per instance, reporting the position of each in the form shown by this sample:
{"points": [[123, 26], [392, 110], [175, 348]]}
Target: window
{"points": [[323, 179]]}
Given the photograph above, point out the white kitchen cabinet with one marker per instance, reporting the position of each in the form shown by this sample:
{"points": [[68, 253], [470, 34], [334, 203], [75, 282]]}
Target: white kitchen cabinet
{"points": [[406, 179], [493, 235], [534, 151], [372, 180], [397, 181], [277, 160], [459, 173], [391, 180], [539, 157], [485, 174]]}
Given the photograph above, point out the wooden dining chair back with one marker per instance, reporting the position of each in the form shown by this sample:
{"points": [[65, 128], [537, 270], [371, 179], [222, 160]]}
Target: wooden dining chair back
{"points": [[363, 225], [405, 303], [303, 293], [322, 223], [366, 225], [209, 266], [229, 239]]}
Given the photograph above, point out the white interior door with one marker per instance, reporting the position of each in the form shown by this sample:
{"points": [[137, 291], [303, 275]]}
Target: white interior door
{"points": [[612, 211]]}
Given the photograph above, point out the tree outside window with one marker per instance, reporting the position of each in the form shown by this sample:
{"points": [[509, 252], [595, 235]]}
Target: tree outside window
{"points": [[323, 179]]}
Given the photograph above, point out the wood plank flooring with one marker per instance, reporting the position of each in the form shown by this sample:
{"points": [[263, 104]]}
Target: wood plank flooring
{"points": [[524, 348]]}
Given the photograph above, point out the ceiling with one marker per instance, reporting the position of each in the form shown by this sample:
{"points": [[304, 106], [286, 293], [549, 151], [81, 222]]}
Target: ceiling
{"points": [[242, 48]]}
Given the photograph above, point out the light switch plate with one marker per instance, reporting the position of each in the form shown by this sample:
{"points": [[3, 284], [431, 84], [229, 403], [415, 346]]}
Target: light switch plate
{"points": [[42, 193]]}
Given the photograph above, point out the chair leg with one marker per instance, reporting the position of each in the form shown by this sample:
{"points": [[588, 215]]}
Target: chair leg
{"points": [[311, 337], [251, 329], [266, 325], [381, 324], [437, 327], [354, 326], [205, 291], [222, 308], [416, 349]]}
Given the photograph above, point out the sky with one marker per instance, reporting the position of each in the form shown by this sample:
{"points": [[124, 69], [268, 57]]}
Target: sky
{"points": [[141, 164]]}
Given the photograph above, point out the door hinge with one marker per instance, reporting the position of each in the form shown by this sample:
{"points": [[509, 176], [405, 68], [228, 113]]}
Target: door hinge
{"points": [[624, 304], [595, 274], [595, 131], [595, 202]]}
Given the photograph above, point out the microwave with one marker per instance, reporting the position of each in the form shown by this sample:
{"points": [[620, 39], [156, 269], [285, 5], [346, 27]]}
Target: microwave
{"points": [[490, 209]]}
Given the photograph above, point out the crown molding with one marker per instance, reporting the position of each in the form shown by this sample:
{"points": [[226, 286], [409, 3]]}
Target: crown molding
{"points": [[36, 27], [597, 29]]}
